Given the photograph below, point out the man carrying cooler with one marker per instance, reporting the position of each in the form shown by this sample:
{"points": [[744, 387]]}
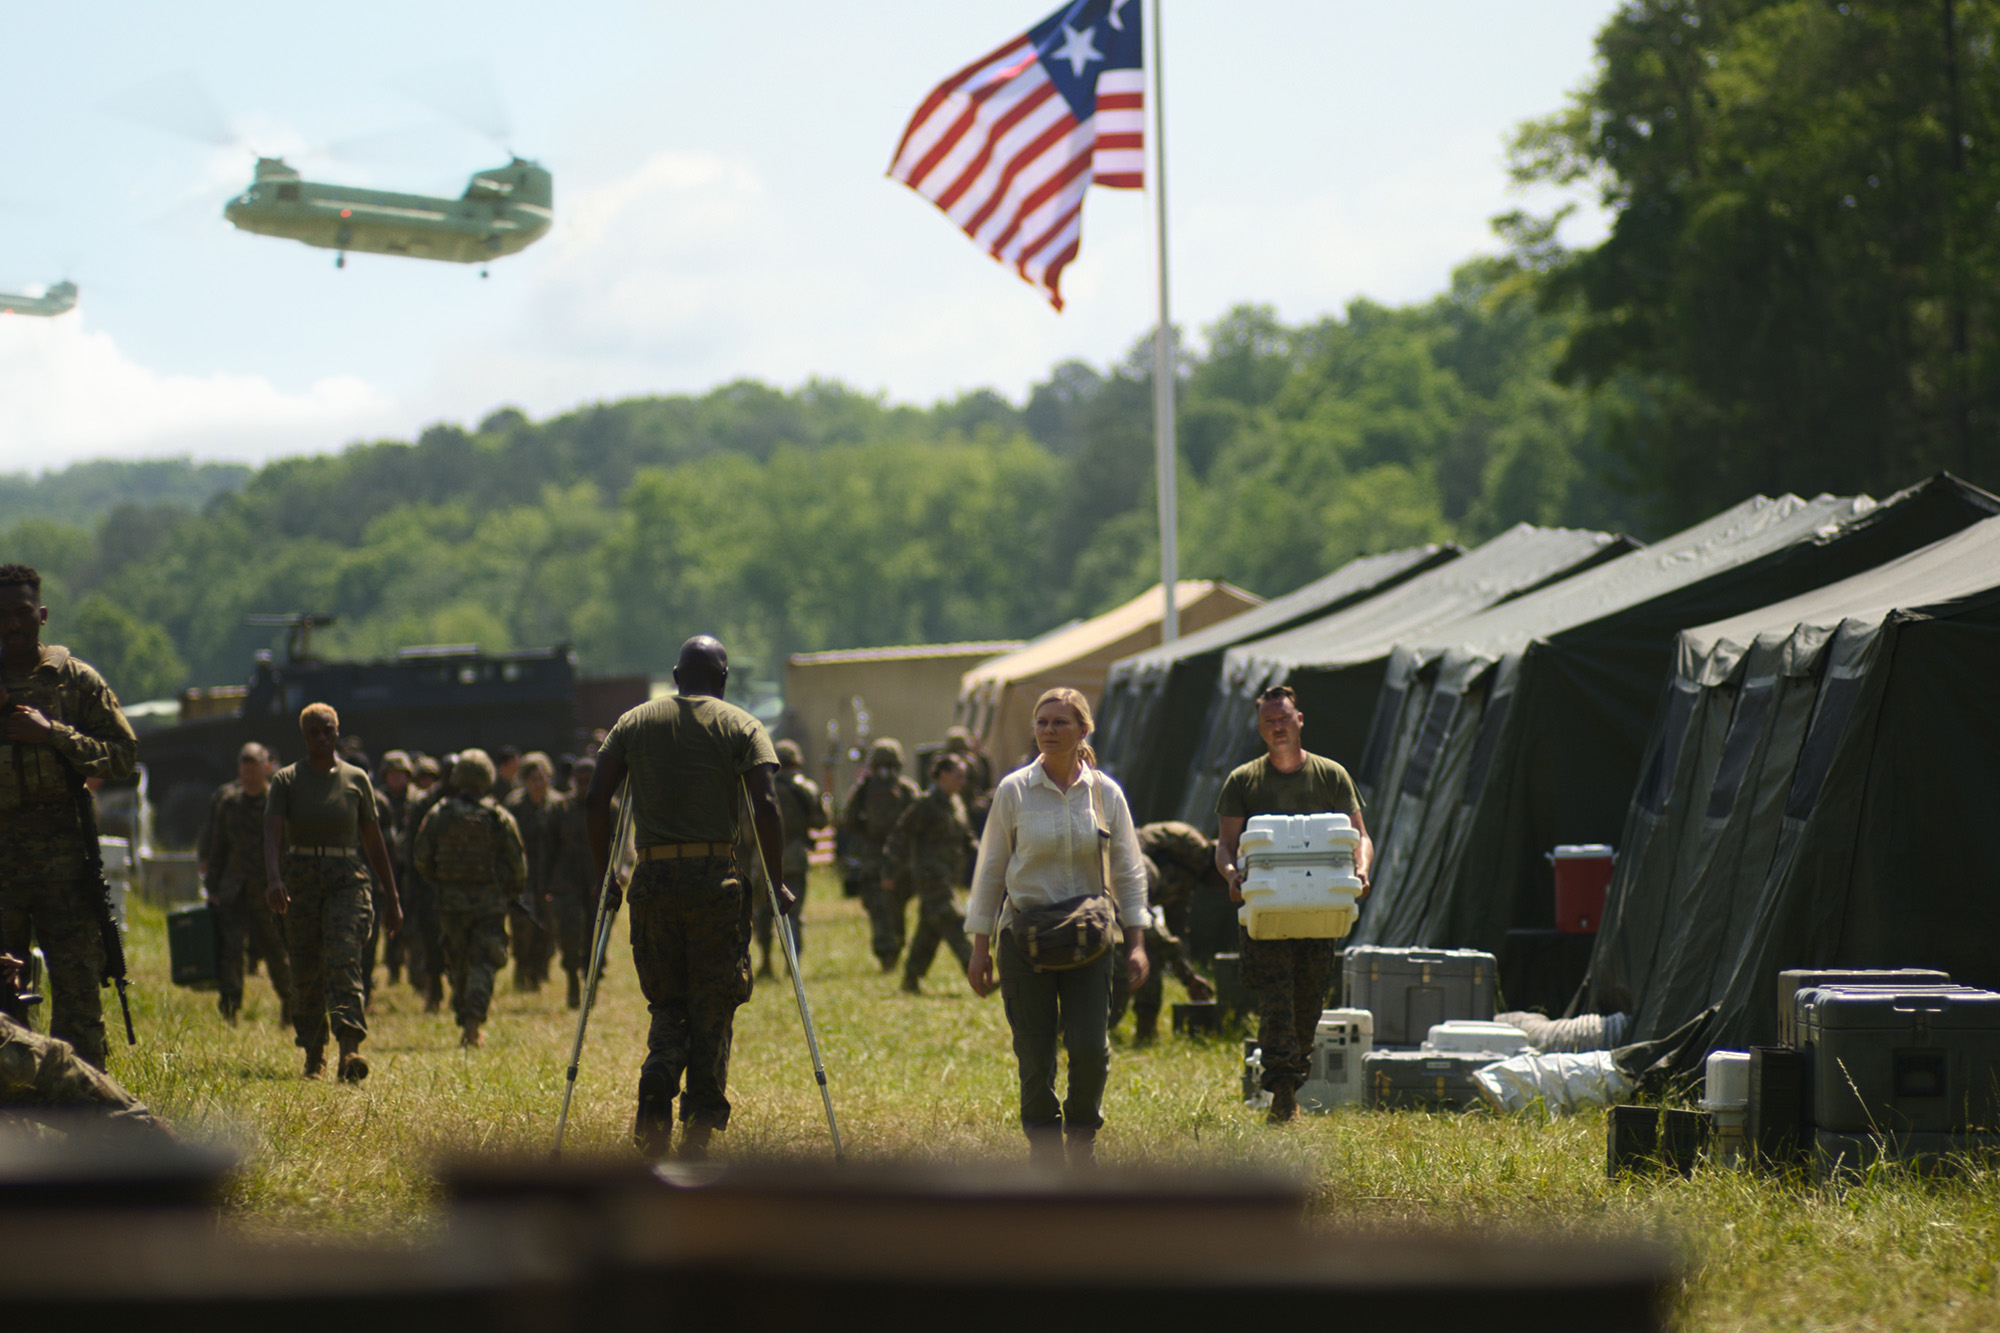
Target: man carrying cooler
{"points": [[1289, 979], [686, 761]]}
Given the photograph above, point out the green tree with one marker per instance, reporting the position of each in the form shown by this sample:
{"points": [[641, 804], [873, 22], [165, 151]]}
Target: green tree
{"points": [[135, 656], [1799, 288]]}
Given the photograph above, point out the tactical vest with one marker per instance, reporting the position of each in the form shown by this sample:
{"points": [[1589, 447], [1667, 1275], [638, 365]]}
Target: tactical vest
{"points": [[468, 843]]}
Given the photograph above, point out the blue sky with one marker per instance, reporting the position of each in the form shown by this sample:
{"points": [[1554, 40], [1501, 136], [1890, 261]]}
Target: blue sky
{"points": [[721, 208]]}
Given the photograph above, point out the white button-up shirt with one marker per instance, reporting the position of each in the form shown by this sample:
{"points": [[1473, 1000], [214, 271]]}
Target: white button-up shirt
{"points": [[1040, 848]]}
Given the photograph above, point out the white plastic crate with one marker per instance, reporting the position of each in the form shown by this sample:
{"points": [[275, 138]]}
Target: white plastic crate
{"points": [[1474, 1036], [1298, 880]]}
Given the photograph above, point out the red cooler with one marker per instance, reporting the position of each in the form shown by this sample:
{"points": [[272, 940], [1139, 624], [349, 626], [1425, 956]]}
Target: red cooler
{"points": [[1583, 874]]}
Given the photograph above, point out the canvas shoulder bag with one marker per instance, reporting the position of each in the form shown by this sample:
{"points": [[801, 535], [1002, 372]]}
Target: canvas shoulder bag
{"points": [[1077, 931]]}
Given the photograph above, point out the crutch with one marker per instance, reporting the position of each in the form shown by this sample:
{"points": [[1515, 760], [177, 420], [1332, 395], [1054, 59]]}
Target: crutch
{"points": [[599, 944], [784, 928]]}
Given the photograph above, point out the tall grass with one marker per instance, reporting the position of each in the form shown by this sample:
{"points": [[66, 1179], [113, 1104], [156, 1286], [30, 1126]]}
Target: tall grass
{"points": [[931, 1078]]}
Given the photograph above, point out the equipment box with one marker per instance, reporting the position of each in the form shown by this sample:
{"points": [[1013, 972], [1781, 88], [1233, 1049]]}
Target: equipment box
{"points": [[1424, 1080], [1835, 1154], [1298, 876], [1914, 1060], [1341, 1042], [1780, 1134], [192, 945], [1411, 990], [1793, 980]]}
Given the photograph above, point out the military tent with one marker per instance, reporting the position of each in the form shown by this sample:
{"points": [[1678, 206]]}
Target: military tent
{"points": [[1149, 721], [996, 700], [1335, 663], [1818, 791], [1524, 728]]}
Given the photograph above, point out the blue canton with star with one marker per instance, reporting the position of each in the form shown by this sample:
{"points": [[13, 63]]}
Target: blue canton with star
{"points": [[1083, 39]]}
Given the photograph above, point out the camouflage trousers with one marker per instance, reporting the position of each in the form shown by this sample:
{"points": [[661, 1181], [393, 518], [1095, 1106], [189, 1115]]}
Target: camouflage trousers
{"points": [[575, 917], [938, 922], [423, 933], [691, 947], [56, 914], [760, 915], [886, 913], [475, 949], [534, 943], [39, 1074], [1289, 981], [244, 919], [327, 925]]}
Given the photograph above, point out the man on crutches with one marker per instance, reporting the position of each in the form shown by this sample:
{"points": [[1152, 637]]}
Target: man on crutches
{"points": [[685, 761]]}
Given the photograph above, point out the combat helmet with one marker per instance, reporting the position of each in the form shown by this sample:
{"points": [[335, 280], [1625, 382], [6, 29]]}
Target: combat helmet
{"points": [[888, 751], [472, 772], [790, 753]]}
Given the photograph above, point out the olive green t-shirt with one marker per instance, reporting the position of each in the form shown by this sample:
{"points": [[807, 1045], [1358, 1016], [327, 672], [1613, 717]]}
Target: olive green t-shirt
{"points": [[322, 809], [1320, 786], [685, 757]]}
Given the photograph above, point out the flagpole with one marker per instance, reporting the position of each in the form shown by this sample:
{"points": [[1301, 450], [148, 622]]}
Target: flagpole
{"points": [[1164, 453]]}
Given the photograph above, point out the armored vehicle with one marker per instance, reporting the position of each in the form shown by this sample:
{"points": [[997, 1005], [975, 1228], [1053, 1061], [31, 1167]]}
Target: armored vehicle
{"points": [[436, 699]]}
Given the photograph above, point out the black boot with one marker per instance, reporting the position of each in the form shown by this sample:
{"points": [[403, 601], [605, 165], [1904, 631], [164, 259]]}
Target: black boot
{"points": [[653, 1126]]}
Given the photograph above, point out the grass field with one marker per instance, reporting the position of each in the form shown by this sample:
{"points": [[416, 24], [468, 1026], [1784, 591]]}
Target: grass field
{"points": [[932, 1078]]}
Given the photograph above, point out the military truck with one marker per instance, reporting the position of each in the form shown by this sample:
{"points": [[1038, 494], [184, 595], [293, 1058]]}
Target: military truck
{"points": [[436, 698]]}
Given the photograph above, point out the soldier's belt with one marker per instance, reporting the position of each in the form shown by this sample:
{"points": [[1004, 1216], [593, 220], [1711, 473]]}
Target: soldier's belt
{"points": [[679, 851], [321, 851]]}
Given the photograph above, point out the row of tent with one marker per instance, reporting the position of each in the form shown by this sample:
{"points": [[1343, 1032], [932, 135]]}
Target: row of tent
{"points": [[1780, 717]]}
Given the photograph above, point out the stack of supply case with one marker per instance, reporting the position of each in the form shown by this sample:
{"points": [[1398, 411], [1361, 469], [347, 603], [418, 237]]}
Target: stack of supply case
{"points": [[1793, 980], [1411, 990], [1424, 1080], [1298, 876], [1343, 1040], [1913, 1070]]}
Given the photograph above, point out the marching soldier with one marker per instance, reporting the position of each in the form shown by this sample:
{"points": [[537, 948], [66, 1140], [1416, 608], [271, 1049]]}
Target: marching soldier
{"points": [[535, 811], [803, 809], [470, 848], [62, 725], [320, 818], [877, 802], [231, 853], [929, 846]]}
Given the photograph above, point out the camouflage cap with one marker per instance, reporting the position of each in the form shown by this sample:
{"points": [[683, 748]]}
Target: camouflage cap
{"points": [[397, 761], [473, 772], [886, 751], [790, 753]]}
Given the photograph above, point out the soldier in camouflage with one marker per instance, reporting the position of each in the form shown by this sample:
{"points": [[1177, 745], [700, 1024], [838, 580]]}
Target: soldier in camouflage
{"points": [[687, 762], [803, 809], [873, 807], [471, 849], [427, 966], [44, 1080], [571, 886], [62, 725], [398, 791], [1177, 857], [928, 848], [231, 853], [320, 818], [535, 810]]}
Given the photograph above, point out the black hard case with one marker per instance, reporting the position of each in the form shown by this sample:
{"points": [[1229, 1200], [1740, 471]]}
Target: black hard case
{"points": [[192, 945], [1423, 1080]]}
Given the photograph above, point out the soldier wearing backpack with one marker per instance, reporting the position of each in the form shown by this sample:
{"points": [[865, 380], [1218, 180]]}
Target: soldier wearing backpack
{"points": [[471, 850]]}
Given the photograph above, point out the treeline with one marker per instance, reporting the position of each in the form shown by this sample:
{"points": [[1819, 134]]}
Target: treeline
{"points": [[824, 518]]}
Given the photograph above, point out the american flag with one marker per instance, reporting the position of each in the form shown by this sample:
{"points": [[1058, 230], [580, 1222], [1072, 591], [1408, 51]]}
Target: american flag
{"points": [[1007, 146]]}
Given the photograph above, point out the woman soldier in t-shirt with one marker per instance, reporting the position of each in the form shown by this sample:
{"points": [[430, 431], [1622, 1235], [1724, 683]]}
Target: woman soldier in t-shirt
{"points": [[320, 818]]}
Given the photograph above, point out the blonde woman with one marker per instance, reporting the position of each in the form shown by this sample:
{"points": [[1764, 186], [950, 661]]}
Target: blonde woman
{"points": [[1059, 834]]}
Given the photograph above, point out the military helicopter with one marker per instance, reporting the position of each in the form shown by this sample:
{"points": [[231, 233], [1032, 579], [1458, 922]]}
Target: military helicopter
{"points": [[502, 212], [57, 300]]}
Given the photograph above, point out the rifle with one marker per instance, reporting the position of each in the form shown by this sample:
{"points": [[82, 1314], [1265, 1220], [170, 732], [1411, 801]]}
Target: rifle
{"points": [[98, 892]]}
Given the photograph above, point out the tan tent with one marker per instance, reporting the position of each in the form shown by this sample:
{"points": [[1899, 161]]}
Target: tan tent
{"points": [[839, 701], [997, 699]]}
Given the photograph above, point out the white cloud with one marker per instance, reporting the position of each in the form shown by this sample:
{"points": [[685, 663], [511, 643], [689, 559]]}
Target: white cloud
{"points": [[68, 393]]}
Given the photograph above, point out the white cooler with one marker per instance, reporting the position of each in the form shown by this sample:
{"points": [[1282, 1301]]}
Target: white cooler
{"points": [[1298, 877], [1475, 1037]]}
